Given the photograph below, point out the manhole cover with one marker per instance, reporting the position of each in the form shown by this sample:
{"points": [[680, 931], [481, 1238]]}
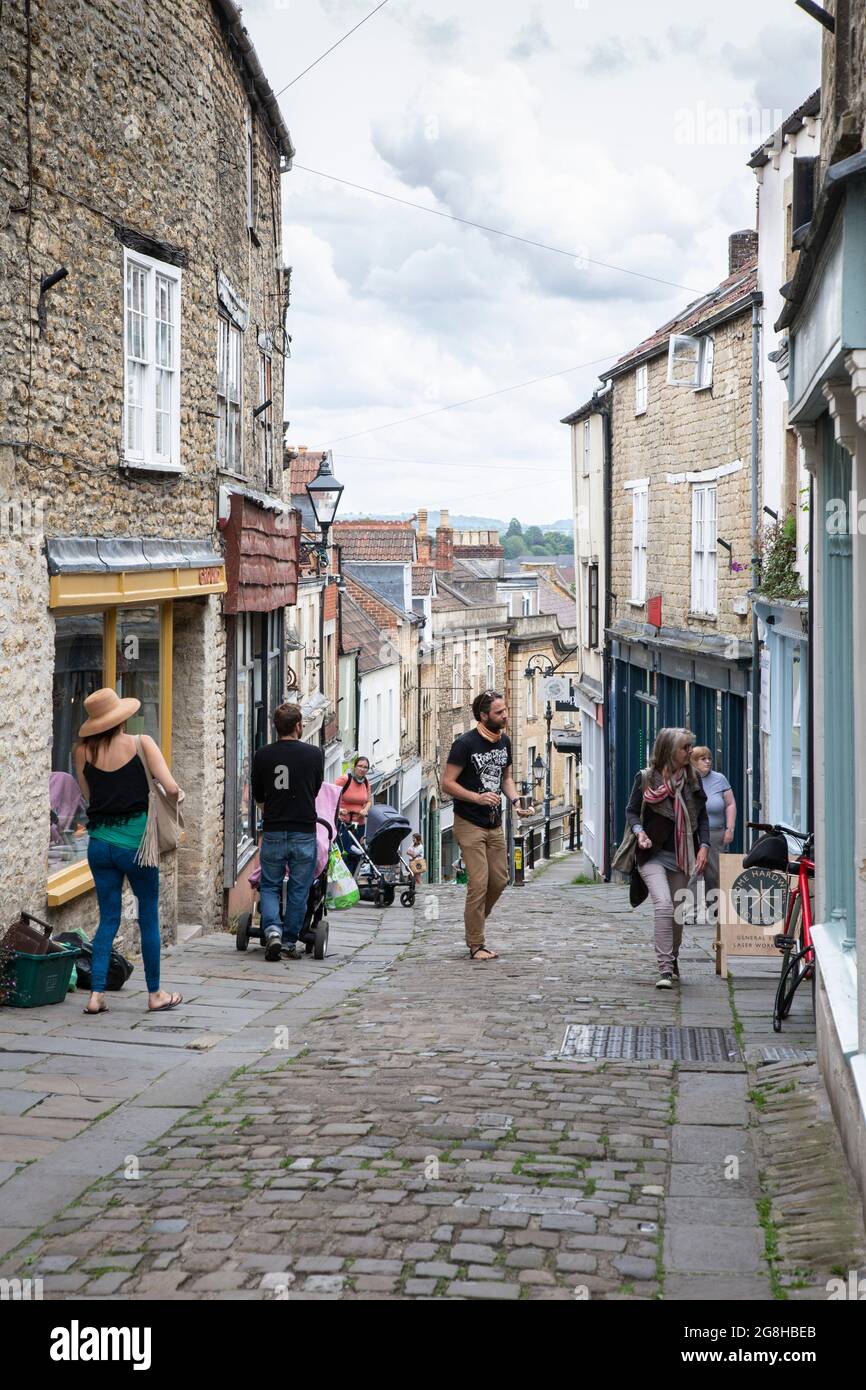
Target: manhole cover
{"points": [[644, 1044]]}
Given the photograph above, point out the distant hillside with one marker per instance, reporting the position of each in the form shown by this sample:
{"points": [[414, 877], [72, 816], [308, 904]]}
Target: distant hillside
{"points": [[458, 521]]}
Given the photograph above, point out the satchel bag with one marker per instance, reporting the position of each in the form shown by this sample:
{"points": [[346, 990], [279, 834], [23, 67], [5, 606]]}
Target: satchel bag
{"points": [[165, 827], [623, 860]]}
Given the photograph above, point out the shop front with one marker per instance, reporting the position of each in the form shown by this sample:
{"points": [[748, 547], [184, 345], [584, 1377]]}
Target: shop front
{"points": [[262, 552], [116, 606], [826, 318]]}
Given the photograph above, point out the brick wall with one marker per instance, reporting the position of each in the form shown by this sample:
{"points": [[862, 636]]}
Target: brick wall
{"points": [[684, 431]]}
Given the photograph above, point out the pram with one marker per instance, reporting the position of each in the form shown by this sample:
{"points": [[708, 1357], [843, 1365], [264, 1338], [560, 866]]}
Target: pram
{"points": [[381, 869], [314, 933]]}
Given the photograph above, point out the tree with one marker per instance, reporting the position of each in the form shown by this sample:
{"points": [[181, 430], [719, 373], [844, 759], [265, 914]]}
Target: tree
{"points": [[533, 536], [514, 546], [514, 528]]}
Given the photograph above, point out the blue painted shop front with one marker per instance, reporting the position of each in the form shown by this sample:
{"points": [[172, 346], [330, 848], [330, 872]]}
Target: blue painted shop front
{"points": [[659, 687]]}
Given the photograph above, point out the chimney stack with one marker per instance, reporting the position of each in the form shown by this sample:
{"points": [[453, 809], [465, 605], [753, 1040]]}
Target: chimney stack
{"points": [[422, 523], [444, 552], [742, 248]]}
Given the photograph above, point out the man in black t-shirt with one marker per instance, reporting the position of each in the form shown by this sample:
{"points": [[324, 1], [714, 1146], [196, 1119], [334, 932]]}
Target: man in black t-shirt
{"points": [[477, 773], [286, 779]]}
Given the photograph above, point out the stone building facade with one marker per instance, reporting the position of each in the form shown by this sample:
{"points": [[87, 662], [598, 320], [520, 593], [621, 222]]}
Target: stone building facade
{"points": [[143, 238], [680, 525]]}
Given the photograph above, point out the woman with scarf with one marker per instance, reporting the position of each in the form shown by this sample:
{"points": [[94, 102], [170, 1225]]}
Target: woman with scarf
{"points": [[667, 811]]}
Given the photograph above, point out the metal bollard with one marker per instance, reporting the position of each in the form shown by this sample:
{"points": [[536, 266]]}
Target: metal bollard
{"points": [[519, 878]]}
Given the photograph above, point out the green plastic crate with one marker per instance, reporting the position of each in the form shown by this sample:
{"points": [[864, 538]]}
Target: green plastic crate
{"points": [[41, 979]]}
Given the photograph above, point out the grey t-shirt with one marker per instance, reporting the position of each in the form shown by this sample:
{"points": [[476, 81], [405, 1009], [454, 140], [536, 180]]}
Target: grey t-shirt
{"points": [[715, 785]]}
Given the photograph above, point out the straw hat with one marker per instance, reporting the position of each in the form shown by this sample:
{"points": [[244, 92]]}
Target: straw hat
{"points": [[105, 711]]}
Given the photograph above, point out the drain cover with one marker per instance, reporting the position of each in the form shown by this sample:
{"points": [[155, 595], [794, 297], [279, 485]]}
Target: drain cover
{"points": [[633, 1043], [781, 1054]]}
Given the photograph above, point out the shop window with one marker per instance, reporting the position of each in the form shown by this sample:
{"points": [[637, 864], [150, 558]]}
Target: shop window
{"points": [[78, 646], [117, 646], [137, 667], [259, 689]]}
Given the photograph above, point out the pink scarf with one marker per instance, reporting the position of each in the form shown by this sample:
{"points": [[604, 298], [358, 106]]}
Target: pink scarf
{"points": [[673, 787]]}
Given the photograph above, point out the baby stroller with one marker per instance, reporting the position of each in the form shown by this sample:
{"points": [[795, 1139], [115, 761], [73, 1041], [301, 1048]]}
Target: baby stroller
{"points": [[314, 933], [381, 868]]}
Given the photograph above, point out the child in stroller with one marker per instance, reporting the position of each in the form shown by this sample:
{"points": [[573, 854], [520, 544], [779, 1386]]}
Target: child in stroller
{"points": [[380, 869], [314, 933]]}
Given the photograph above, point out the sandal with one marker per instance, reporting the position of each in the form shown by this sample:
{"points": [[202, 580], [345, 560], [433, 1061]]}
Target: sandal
{"points": [[489, 955], [103, 1009], [164, 1008]]}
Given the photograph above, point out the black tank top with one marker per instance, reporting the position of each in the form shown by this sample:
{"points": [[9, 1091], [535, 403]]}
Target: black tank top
{"points": [[115, 796]]}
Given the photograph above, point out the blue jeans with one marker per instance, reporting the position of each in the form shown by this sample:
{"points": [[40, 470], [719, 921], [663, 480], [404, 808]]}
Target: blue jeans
{"points": [[110, 865], [296, 850]]}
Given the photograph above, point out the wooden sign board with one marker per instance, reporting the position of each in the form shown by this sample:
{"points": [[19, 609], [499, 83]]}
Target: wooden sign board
{"points": [[752, 907]]}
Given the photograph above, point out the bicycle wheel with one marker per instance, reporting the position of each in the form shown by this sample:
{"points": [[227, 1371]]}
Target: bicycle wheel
{"points": [[796, 969], [789, 980]]}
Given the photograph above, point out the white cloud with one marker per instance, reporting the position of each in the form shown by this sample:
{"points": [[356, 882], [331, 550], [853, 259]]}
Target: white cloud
{"points": [[396, 313]]}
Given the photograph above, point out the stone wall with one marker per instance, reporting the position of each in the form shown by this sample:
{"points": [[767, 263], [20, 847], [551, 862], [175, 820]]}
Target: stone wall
{"points": [[26, 642], [198, 757], [137, 122], [164, 152], [684, 431], [843, 84]]}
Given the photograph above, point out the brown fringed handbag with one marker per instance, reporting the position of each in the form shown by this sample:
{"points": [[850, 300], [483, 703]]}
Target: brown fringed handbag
{"points": [[165, 829]]}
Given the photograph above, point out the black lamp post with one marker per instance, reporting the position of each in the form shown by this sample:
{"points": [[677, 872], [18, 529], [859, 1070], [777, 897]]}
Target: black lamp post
{"points": [[324, 493], [545, 667]]}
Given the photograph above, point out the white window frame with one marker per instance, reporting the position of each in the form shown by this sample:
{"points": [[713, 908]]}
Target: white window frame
{"points": [[226, 328], [590, 645], [704, 549], [456, 678], [146, 456], [586, 449], [531, 705], [491, 671], [526, 605], [639, 520], [265, 421], [641, 389], [690, 361]]}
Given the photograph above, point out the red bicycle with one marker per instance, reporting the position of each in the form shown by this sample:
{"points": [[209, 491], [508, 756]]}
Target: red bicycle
{"points": [[795, 942]]}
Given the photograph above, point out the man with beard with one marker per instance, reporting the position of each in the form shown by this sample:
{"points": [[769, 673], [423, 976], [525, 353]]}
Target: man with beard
{"points": [[477, 773]]}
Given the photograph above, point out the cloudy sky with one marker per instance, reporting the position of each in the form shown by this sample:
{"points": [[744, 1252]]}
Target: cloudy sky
{"points": [[614, 130]]}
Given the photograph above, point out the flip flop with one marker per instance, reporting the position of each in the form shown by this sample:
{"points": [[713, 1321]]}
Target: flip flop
{"points": [[164, 1008], [103, 1009], [474, 951]]}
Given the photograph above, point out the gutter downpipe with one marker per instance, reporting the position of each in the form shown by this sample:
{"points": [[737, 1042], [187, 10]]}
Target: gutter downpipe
{"points": [[606, 653], [756, 575]]}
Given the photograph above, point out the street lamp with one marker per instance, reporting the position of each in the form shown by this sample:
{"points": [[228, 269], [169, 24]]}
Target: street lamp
{"points": [[542, 665], [324, 493]]}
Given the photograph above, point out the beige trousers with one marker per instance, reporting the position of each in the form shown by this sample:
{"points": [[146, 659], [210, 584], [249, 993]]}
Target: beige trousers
{"points": [[483, 852]]}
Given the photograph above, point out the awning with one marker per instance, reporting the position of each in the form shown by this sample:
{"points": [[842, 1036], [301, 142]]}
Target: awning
{"points": [[92, 572], [567, 742], [313, 714]]}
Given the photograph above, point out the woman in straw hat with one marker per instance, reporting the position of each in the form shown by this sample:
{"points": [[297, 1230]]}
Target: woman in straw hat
{"points": [[115, 786]]}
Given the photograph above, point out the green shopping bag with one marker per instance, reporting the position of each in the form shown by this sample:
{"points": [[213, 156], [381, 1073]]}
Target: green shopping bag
{"points": [[342, 888]]}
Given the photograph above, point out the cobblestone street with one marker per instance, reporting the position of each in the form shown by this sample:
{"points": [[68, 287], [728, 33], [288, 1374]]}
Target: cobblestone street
{"points": [[405, 1127]]}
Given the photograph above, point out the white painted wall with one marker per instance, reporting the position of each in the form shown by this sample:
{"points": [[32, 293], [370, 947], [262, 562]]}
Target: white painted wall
{"points": [[774, 192], [375, 688], [588, 499]]}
